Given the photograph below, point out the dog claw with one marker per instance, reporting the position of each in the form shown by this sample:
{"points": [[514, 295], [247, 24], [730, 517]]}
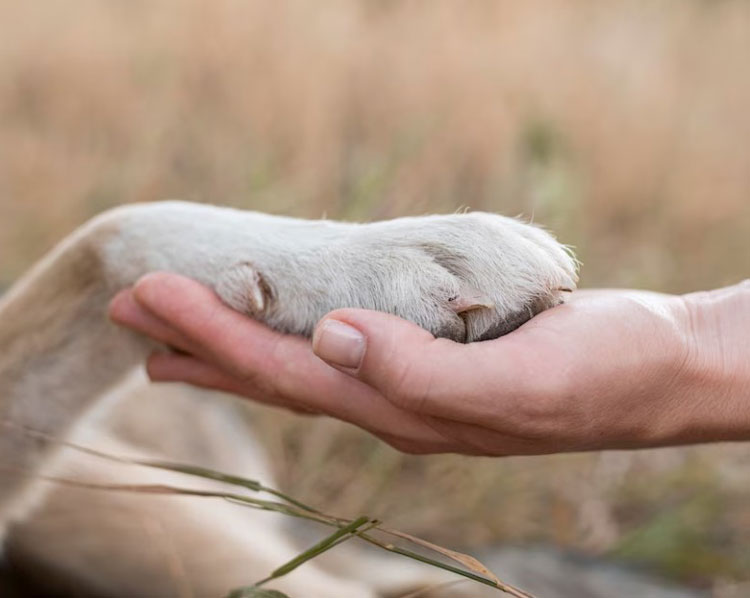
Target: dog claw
{"points": [[469, 298]]}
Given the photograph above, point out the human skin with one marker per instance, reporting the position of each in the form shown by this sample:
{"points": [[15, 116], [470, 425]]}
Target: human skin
{"points": [[609, 369]]}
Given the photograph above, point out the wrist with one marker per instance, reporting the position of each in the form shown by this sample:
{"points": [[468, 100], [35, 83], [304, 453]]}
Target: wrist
{"points": [[713, 386]]}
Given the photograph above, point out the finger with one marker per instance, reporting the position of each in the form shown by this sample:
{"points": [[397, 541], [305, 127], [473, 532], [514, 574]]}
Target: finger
{"points": [[269, 364], [167, 367], [257, 357], [216, 332], [416, 371], [126, 311], [376, 415]]}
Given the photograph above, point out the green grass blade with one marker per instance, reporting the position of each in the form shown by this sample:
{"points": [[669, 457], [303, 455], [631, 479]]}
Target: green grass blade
{"points": [[325, 544]]}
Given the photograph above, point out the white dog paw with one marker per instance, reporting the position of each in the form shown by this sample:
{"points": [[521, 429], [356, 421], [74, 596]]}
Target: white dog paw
{"points": [[466, 277]]}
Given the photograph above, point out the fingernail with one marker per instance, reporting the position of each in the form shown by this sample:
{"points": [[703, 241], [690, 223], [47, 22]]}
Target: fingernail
{"points": [[339, 344]]}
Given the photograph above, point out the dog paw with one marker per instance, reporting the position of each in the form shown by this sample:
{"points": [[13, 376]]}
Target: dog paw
{"points": [[467, 277]]}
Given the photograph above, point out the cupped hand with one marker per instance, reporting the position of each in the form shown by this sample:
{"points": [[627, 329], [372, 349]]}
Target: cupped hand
{"points": [[607, 369]]}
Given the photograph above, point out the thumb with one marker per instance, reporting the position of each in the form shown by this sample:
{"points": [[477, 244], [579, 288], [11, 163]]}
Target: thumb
{"points": [[396, 357]]}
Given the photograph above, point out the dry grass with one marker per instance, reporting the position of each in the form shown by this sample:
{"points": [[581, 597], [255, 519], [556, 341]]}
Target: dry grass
{"points": [[623, 126]]}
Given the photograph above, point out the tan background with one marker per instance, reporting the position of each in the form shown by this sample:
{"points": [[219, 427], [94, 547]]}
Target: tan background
{"points": [[624, 126]]}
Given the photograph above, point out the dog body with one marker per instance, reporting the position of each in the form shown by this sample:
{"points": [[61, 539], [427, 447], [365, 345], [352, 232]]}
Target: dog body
{"points": [[464, 276]]}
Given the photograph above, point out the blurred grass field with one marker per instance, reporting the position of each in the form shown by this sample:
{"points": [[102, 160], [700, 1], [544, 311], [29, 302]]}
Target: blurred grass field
{"points": [[623, 126]]}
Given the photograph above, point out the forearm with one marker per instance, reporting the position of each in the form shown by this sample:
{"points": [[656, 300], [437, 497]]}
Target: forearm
{"points": [[715, 378]]}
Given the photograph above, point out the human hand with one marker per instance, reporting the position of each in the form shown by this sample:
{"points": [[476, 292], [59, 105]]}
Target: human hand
{"points": [[608, 369]]}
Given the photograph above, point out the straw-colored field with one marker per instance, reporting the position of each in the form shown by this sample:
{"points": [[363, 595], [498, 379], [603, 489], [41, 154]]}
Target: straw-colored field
{"points": [[624, 126]]}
